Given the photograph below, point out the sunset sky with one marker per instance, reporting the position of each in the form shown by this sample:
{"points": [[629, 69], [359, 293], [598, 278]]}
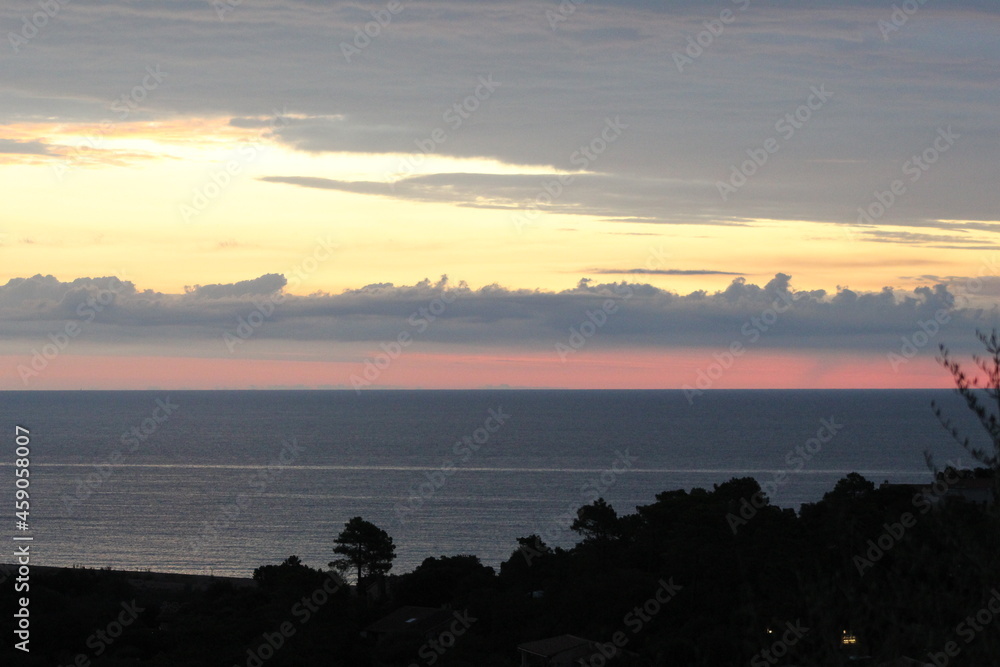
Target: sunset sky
{"points": [[448, 193]]}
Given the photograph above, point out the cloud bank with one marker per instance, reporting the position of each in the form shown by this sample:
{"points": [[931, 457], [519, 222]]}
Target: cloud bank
{"points": [[113, 312]]}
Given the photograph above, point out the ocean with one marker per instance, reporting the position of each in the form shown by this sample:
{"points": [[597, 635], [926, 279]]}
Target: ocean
{"points": [[224, 481]]}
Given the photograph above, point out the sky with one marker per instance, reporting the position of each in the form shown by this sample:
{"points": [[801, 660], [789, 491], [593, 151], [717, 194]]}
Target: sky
{"points": [[454, 194]]}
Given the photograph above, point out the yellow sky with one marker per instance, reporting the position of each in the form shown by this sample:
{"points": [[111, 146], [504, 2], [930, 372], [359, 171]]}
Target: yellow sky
{"points": [[127, 197]]}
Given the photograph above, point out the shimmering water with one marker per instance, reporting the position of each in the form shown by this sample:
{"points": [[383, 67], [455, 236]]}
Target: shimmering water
{"points": [[196, 494]]}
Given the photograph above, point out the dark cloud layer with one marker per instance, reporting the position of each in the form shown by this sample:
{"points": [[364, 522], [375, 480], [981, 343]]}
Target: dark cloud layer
{"points": [[490, 316], [559, 80]]}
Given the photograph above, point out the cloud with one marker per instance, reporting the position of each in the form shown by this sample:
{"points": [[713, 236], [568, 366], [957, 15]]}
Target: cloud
{"points": [[579, 194], [686, 131], [14, 147], [266, 284], [43, 293], [491, 317], [915, 238]]}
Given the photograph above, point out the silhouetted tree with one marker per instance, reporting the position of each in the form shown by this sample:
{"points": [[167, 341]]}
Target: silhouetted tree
{"points": [[971, 390], [291, 573], [445, 580], [365, 548], [596, 522], [852, 488]]}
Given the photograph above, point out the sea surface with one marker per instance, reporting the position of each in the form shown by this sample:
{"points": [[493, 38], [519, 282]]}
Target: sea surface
{"points": [[224, 481]]}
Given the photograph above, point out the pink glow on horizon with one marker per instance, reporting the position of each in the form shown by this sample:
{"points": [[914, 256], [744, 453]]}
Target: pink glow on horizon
{"points": [[638, 369]]}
